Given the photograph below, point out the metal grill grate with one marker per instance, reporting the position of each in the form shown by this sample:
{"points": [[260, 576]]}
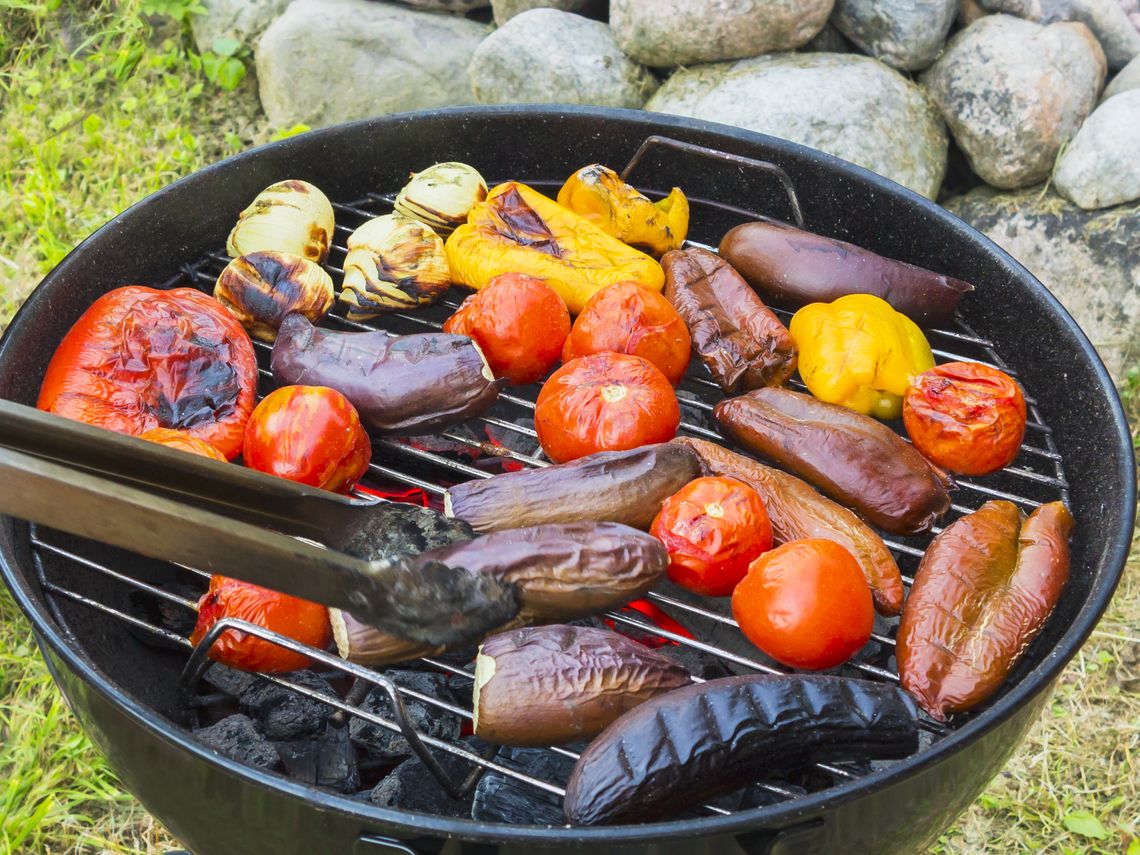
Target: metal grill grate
{"points": [[1036, 476]]}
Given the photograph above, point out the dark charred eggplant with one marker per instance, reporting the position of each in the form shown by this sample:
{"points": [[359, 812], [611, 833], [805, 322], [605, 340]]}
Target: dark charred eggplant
{"points": [[796, 511], [619, 486], [790, 268], [673, 752], [738, 338], [410, 384], [983, 591], [850, 457], [549, 685]]}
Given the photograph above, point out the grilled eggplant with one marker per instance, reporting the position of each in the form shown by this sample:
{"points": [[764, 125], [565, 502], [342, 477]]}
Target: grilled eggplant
{"points": [[797, 511], [852, 458], [409, 384], [619, 486], [789, 267], [670, 753], [549, 685]]}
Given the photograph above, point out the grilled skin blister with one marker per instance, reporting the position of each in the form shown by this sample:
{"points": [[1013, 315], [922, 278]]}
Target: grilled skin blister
{"points": [[984, 589], [671, 753], [400, 384], [797, 511], [852, 458], [790, 267]]}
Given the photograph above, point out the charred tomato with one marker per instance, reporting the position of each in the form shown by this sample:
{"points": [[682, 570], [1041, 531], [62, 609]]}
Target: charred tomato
{"points": [[806, 604], [299, 619], [713, 528], [626, 318], [139, 358], [182, 441], [309, 434], [519, 322], [605, 402], [966, 417]]}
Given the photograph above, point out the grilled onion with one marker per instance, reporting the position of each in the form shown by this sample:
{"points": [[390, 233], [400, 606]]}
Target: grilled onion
{"points": [[261, 288], [394, 263], [289, 216], [442, 195]]}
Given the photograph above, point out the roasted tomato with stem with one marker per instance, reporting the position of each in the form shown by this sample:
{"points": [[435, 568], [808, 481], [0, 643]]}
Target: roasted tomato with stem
{"points": [[806, 604], [966, 417], [519, 322], [182, 441], [308, 434], [299, 619], [713, 528], [605, 402], [626, 318]]}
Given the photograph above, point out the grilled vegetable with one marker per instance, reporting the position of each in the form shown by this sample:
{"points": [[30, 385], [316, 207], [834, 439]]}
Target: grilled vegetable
{"points": [[797, 511], [183, 441], [289, 216], [672, 752], [517, 230], [139, 359], [562, 572], [261, 288], [393, 263], [790, 267], [850, 457], [554, 684], [738, 338], [983, 591], [620, 486], [860, 353], [411, 384], [442, 195], [606, 402], [966, 416], [597, 193]]}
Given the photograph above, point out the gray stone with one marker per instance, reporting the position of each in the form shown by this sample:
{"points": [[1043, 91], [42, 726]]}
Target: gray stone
{"points": [[327, 61], [904, 34], [1089, 259], [1107, 19], [504, 10], [848, 105], [545, 55], [663, 33], [243, 20], [1127, 78], [1013, 91], [1101, 165], [455, 7]]}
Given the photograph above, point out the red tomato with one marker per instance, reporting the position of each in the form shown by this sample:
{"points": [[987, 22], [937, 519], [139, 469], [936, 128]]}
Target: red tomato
{"points": [[139, 359], [626, 318], [713, 529], [309, 434], [606, 402], [966, 417], [299, 619], [182, 441], [806, 604], [518, 321]]}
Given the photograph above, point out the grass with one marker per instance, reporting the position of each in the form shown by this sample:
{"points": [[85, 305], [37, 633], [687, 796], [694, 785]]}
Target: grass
{"points": [[99, 108]]}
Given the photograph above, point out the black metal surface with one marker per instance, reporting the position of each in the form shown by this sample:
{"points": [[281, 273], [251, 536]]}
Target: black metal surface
{"points": [[126, 700]]}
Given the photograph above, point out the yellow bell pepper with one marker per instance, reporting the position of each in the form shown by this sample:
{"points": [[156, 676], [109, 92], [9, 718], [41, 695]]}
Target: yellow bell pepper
{"points": [[598, 194], [859, 352], [518, 230]]}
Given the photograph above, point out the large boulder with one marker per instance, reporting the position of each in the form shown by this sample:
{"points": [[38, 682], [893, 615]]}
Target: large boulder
{"points": [[848, 105], [545, 55], [1107, 19], [665, 33], [504, 10], [1013, 91], [1088, 259], [327, 61], [243, 20], [904, 34], [1101, 165], [1127, 78]]}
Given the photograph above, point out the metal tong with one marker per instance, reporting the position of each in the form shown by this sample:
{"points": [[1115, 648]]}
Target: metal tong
{"points": [[227, 519]]}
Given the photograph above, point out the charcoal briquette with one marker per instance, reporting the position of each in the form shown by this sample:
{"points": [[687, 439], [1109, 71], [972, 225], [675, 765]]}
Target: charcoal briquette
{"points": [[327, 760], [501, 798], [383, 744], [229, 680], [285, 713], [411, 786], [238, 738], [401, 529]]}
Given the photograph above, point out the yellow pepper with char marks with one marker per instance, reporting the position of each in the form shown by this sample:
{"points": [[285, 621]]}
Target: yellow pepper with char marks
{"points": [[597, 193], [518, 230], [859, 352]]}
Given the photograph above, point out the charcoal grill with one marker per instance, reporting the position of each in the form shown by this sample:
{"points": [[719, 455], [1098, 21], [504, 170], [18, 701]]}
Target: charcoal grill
{"points": [[132, 698]]}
